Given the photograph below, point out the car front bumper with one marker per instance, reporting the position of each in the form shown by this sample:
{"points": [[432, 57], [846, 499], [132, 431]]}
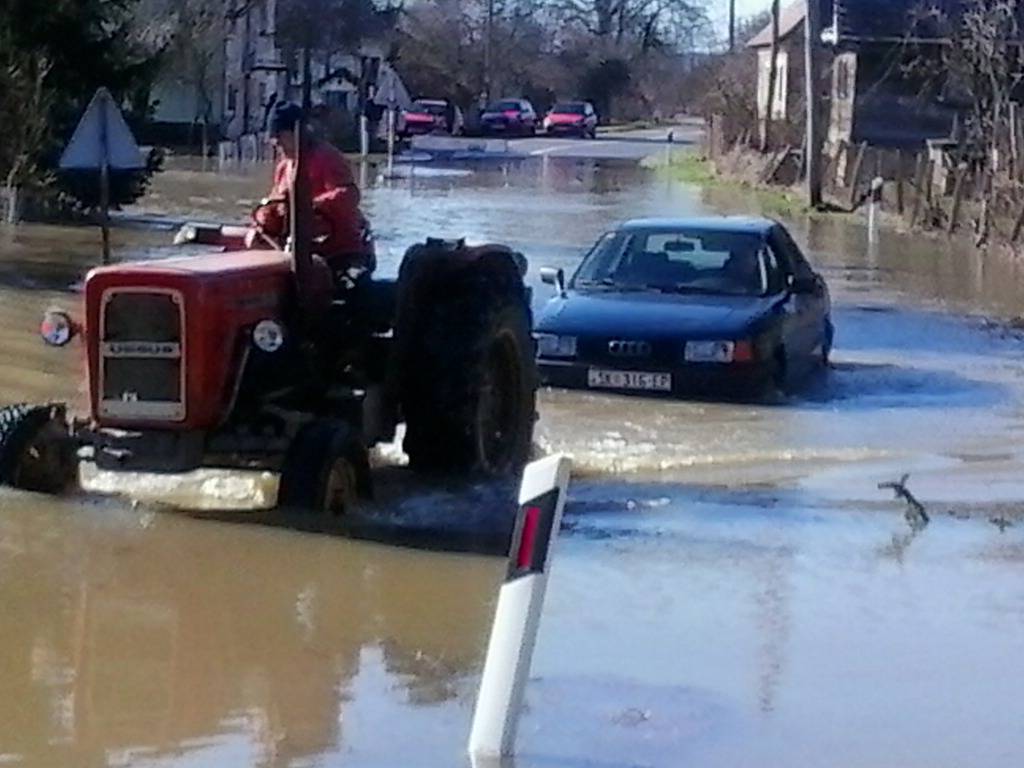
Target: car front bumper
{"points": [[566, 128], [706, 380]]}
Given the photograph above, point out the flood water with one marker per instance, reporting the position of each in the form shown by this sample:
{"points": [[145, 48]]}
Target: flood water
{"points": [[731, 587]]}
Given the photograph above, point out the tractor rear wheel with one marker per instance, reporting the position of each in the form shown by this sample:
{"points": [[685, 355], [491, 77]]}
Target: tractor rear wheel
{"points": [[468, 374], [326, 471], [36, 452]]}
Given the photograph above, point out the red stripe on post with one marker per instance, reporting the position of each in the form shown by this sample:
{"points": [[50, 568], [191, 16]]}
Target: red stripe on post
{"points": [[524, 558]]}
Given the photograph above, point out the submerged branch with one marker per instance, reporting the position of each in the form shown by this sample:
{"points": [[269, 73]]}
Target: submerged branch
{"points": [[916, 514]]}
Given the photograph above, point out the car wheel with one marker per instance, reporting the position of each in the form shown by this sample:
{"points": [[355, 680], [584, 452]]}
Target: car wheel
{"points": [[777, 385], [826, 344]]}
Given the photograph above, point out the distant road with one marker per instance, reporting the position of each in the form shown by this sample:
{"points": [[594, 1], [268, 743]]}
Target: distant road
{"points": [[621, 145]]}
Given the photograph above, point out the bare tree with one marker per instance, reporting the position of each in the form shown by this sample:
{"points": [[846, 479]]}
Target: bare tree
{"points": [[195, 53], [23, 92], [979, 63]]}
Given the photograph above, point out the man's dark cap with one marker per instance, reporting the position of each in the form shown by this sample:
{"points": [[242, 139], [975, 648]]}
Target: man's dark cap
{"points": [[285, 118]]}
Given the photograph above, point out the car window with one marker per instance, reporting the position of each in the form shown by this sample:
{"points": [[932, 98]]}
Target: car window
{"points": [[602, 259], [569, 108], [505, 106], [684, 261], [430, 107], [775, 271], [794, 260]]}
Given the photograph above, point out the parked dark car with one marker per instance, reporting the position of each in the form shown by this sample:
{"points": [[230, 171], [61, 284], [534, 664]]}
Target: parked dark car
{"points": [[573, 118], [431, 116], [712, 307], [509, 117]]}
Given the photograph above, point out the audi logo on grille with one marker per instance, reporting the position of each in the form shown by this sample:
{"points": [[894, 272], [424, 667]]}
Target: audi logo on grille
{"points": [[629, 348]]}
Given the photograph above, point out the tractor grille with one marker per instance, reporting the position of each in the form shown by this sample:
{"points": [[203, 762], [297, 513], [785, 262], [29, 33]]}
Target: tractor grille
{"points": [[141, 356]]}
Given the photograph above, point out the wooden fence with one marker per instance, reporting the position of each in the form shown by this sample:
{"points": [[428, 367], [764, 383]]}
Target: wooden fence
{"points": [[941, 188]]}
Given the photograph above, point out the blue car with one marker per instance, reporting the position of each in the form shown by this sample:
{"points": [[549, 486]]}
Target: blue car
{"points": [[713, 307]]}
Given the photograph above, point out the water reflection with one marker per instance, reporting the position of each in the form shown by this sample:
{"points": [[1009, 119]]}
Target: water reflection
{"points": [[117, 639]]}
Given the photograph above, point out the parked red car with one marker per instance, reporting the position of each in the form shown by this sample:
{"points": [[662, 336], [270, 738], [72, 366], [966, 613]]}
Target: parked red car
{"points": [[432, 116], [576, 118], [510, 117]]}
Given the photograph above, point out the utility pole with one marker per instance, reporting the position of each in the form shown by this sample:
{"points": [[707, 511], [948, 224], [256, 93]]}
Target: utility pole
{"points": [[488, 41], [732, 25], [812, 161]]}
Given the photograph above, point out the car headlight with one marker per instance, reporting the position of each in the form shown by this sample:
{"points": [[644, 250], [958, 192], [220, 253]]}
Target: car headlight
{"points": [[268, 335], [709, 351], [553, 345]]}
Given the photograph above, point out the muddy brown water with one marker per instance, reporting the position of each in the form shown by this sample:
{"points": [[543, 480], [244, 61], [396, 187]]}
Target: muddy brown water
{"points": [[731, 587]]}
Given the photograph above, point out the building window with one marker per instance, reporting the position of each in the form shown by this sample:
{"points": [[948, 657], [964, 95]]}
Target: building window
{"points": [[232, 99]]}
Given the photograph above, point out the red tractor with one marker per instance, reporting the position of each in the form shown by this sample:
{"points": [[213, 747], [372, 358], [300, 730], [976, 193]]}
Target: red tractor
{"points": [[254, 360]]}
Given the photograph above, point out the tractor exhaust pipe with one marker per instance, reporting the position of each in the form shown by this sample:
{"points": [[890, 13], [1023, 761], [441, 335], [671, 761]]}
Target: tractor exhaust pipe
{"points": [[302, 199]]}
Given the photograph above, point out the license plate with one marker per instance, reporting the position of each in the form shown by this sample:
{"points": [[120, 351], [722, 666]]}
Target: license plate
{"points": [[652, 382]]}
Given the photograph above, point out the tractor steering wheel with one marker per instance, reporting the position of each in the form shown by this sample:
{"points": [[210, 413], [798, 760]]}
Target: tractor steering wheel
{"points": [[277, 243]]}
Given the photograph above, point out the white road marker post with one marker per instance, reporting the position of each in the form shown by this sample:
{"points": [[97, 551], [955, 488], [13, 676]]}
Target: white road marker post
{"points": [[874, 204], [517, 617]]}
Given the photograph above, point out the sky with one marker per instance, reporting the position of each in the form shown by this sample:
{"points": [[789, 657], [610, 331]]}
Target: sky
{"points": [[719, 10]]}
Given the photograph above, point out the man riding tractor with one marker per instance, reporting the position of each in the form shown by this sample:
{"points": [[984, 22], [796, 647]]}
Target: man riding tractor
{"points": [[341, 234], [289, 357]]}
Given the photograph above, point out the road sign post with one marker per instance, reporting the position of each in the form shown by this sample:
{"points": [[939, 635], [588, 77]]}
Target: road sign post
{"points": [[103, 142], [517, 617]]}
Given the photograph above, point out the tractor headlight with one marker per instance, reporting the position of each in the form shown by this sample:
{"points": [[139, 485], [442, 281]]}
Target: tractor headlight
{"points": [[268, 335], [57, 328], [552, 345]]}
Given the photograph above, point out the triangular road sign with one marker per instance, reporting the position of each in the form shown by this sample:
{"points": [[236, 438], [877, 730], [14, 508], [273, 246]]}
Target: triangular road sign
{"points": [[102, 138]]}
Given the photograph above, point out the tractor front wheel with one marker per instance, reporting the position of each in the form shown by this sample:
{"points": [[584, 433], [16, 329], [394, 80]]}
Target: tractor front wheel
{"points": [[36, 451], [327, 470]]}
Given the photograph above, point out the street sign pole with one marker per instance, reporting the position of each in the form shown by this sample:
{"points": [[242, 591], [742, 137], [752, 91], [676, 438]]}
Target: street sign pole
{"points": [[517, 617], [102, 143], [105, 190]]}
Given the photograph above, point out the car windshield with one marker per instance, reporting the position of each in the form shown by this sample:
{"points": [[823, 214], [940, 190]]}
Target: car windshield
{"points": [[568, 108], [505, 106], [678, 261], [436, 108]]}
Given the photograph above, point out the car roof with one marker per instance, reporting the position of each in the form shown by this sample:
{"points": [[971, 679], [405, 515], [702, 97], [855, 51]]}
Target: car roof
{"points": [[437, 102], [755, 225]]}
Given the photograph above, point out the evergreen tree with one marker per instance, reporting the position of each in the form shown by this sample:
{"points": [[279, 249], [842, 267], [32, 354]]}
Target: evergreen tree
{"points": [[53, 57]]}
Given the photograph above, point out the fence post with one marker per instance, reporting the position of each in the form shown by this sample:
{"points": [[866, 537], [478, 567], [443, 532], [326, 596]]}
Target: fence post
{"points": [[1018, 225], [854, 181], [919, 193], [899, 181], [958, 193]]}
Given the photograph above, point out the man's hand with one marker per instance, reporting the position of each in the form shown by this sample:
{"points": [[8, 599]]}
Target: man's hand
{"points": [[253, 239]]}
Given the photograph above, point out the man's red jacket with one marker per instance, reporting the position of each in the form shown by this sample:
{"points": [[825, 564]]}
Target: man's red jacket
{"points": [[337, 218]]}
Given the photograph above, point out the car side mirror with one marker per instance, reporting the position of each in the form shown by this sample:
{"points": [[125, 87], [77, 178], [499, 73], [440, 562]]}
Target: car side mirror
{"points": [[555, 277], [804, 284]]}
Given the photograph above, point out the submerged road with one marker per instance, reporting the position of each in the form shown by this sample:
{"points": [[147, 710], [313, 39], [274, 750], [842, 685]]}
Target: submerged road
{"points": [[731, 588], [626, 145]]}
